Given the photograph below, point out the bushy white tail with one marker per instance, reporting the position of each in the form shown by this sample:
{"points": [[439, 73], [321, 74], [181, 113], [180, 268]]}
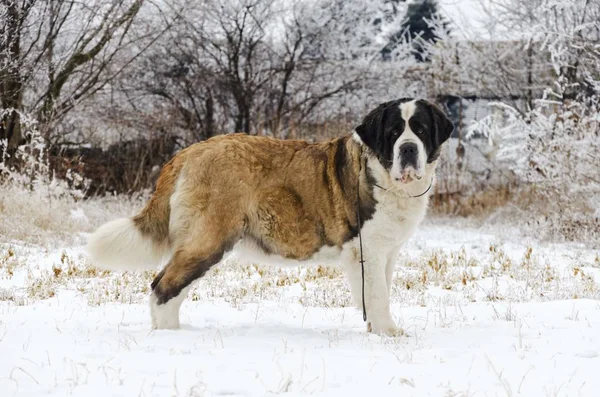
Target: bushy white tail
{"points": [[119, 245]]}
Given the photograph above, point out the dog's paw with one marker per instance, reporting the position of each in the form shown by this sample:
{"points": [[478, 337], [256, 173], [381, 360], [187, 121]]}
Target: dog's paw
{"points": [[165, 316], [385, 329]]}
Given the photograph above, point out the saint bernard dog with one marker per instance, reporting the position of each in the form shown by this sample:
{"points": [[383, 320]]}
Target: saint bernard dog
{"points": [[286, 202]]}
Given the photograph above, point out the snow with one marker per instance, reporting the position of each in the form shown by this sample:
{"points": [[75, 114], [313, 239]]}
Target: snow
{"points": [[64, 347], [501, 333]]}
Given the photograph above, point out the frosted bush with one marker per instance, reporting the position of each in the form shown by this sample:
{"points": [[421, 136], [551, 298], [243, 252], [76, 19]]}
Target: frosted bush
{"points": [[553, 153], [38, 207]]}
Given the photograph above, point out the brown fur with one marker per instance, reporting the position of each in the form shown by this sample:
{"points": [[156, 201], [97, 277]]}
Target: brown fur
{"points": [[291, 198], [153, 220]]}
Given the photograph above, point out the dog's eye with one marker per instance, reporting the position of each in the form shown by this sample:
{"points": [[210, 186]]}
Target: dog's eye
{"points": [[418, 128], [421, 130]]}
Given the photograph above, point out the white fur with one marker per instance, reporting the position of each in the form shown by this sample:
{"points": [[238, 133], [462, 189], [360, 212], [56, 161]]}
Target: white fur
{"points": [[119, 245], [166, 316], [177, 217]]}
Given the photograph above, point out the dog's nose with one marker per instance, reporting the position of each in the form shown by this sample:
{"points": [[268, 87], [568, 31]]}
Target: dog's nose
{"points": [[408, 149], [408, 154]]}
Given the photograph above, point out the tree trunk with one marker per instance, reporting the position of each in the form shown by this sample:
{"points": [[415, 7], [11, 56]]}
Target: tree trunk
{"points": [[247, 119], [10, 130], [11, 87], [210, 117], [530, 77], [10, 123]]}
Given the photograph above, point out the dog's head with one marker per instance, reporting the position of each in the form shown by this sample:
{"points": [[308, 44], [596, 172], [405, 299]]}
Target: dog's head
{"points": [[405, 135]]}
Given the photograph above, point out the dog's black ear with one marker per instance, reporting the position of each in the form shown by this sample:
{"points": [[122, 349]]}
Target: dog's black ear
{"points": [[370, 129], [442, 129], [443, 125]]}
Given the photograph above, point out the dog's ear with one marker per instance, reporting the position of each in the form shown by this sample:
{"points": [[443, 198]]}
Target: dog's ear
{"points": [[442, 129], [370, 130], [442, 124]]}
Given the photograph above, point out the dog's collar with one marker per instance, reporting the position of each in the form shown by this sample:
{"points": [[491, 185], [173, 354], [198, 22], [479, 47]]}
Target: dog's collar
{"points": [[419, 195]]}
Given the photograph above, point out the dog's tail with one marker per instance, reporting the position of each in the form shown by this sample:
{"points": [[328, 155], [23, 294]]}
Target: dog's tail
{"points": [[141, 242]]}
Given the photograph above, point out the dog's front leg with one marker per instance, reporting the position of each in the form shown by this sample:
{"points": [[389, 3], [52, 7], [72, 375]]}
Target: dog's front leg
{"points": [[377, 299]]}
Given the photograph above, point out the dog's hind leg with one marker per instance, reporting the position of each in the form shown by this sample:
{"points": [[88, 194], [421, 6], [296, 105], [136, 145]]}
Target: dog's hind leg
{"points": [[166, 316], [171, 285]]}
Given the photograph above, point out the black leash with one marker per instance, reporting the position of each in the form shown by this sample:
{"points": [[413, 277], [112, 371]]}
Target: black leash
{"points": [[362, 261]]}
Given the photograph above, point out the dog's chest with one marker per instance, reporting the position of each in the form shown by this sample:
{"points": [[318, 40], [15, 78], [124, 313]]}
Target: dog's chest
{"points": [[394, 221]]}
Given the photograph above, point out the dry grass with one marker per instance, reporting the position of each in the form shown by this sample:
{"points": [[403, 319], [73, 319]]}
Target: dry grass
{"points": [[37, 230], [479, 204], [546, 213], [36, 217], [453, 276], [555, 214]]}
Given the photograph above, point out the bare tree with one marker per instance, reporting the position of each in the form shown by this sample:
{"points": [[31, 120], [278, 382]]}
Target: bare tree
{"points": [[55, 53], [259, 65], [13, 17]]}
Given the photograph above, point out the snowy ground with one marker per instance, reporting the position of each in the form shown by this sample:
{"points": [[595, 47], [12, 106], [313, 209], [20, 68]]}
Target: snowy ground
{"points": [[487, 314]]}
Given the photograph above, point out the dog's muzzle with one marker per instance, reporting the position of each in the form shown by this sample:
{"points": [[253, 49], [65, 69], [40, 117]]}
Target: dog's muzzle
{"points": [[409, 159], [409, 154]]}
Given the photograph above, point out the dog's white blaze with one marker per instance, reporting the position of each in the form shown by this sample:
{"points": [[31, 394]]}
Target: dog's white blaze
{"points": [[166, 316], [407, 109]]}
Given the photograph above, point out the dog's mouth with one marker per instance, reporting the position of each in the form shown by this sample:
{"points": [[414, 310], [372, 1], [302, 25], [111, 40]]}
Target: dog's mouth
{"points": [[409, 174]]}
